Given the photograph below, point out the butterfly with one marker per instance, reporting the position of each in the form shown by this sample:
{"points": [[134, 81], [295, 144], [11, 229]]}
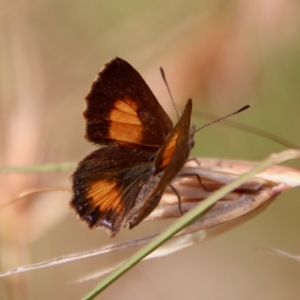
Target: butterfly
{"points": [[140, 151]]}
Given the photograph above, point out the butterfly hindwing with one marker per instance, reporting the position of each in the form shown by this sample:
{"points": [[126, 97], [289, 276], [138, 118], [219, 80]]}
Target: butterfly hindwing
{"points": [[107, 182]]}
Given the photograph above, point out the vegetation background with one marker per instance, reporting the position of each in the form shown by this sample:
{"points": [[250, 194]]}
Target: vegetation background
{"points": [[222, 54]]}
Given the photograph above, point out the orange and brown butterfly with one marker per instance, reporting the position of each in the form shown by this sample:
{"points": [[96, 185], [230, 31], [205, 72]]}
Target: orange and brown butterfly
{"points": [[140, 150]]}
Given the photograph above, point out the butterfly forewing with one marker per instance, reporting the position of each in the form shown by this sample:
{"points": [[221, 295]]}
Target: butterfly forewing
{"points": [[121, 107]]}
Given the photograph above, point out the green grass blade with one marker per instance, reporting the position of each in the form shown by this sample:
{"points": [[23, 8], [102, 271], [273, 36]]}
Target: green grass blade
{"points": [[61, 167]]}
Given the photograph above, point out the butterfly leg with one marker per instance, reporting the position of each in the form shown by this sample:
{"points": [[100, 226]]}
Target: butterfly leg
{"points": [[195, 160], [195, 175], [178, 197]]}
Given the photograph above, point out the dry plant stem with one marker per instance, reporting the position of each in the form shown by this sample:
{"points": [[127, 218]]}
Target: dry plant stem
{"points": [[186, 220], [280, 253], [77, 256]]}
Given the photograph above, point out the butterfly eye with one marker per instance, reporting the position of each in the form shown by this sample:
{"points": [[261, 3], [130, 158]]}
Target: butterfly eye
{"points": [[191, 143]]}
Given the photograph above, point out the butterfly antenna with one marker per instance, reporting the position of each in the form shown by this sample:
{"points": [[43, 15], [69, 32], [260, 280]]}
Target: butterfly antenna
{"points": [[169, 91], [222, 118]]}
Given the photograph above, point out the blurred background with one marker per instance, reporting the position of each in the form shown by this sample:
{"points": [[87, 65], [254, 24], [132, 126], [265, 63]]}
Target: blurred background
{"points": [[223, 55]]}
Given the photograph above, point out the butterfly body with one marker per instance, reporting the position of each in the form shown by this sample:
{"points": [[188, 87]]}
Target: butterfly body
{"points": [[140, 151]]}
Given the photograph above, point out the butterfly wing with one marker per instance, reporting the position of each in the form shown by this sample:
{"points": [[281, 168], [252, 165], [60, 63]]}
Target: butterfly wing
{"points": [[107, 183], [124, 117], [169, 160], [121, 107], [172, 156]]}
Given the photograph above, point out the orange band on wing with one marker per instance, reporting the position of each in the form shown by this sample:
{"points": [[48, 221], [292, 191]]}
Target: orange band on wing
{"points": [[126, 133], [121, 117], [126, 105], [105, 196], [125, 124], [125, 111], [168, 151]]}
